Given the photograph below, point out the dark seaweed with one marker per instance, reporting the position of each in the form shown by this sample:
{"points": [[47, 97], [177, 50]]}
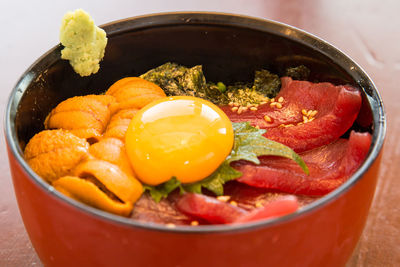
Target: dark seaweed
{"points": [[177, 80], [298, 73], [266, 83]]}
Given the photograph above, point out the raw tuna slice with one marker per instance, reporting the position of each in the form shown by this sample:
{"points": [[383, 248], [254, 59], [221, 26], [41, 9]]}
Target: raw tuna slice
{"points": [[335, 109], [208, 208], [214, 211], [282, 206], [329, 167]]}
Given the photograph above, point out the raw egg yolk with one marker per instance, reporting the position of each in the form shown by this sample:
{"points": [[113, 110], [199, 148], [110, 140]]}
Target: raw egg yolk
{"points": [[180, 136]]}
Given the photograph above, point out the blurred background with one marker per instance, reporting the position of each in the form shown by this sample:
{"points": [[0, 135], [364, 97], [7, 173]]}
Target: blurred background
{"points": [[366, 30]]}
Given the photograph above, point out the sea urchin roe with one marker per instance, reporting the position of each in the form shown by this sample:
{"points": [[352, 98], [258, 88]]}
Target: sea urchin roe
{"points": [[87, 192], [183, 137], [112, 150], [84, 116], [119, 123], [84, 42], [54, 153], [133, 93]]}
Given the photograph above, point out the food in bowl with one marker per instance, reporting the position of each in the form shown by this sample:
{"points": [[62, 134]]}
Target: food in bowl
{"points": [[195, 162], [230, 47]]}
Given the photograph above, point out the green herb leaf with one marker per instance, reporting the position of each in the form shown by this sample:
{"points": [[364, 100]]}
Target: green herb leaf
{"points": [[249, 143], [161, 191], [215, 181]]}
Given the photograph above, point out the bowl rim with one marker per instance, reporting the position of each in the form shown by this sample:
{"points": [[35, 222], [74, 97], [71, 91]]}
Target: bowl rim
{"points": [[217, 19]]}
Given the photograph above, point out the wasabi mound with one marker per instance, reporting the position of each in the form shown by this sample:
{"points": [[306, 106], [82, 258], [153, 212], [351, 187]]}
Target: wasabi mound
{"points": [[84, 42]]}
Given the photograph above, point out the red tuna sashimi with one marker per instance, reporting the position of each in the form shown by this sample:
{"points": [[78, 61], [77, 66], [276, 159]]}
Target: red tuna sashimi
{"points": [[337, 108], [329, 167], [166, 211], [215, 211], [282, 206], [208, 208]]}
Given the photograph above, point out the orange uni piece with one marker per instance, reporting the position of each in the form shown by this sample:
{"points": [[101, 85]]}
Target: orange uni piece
{"points": [[87, 192], [126, 187], [85, 116], [54, 153], [113, 151], [119, 123], [134, 92]]}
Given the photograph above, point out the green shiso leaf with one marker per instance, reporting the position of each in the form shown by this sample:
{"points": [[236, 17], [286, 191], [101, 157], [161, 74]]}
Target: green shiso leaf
{"points": [[162, 191], [250, 143], [215, 182]]}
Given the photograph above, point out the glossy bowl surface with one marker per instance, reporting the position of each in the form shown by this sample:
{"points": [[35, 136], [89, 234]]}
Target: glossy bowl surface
{"points": [[230, 48]]}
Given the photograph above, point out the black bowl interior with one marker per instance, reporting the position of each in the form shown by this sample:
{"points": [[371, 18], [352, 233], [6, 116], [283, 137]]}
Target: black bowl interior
{"points": [[230, 48]]}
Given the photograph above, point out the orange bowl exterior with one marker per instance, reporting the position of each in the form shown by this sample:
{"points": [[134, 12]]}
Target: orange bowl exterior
{"points": [[64, 235], [67, 233]]}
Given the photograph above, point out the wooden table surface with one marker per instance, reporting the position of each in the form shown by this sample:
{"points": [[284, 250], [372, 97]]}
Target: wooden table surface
{"points": [[367, 30]]}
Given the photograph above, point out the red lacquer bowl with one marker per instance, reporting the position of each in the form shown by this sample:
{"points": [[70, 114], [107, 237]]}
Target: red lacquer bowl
{"points": [[67, 233]]}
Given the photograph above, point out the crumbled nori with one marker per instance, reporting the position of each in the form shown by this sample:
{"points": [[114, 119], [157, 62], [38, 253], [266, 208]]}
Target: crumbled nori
{"points": [[266, 83], [243, 94], [215, 95], [179, 80], [298, 73]]}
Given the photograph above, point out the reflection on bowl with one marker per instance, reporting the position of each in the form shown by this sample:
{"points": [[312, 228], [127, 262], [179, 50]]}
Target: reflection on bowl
{"points": [[231, 48]]}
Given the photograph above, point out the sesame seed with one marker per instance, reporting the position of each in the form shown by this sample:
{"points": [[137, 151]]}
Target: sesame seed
{"points": [[311, 119], [234, 109], [253, 108], [223, 198], [263, 103], [256, 105], [278, 105], [304, 112], [170, 225], [249, 105], [273, 104], [267, 118], [259, 204], [280, 99], [244, 108], [194, 223], [233, 203], [289, 125], [272, 99], [305, 119], [309, 113], [240, 110], [313, 113], [230, 104], [236, 104]]}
